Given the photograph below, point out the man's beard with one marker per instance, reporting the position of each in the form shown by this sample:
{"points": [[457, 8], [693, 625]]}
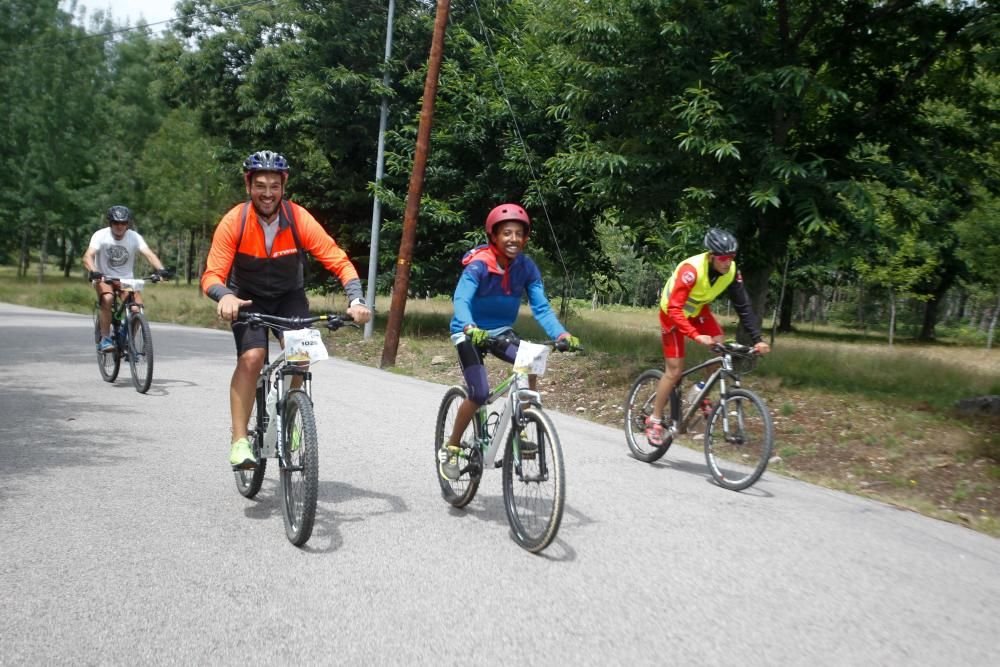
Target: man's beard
{"points": [[266, 214]]}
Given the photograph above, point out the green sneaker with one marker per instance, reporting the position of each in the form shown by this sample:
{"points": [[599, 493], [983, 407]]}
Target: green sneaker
{"points": [[241, 456], [448, 462], [296, 439]]}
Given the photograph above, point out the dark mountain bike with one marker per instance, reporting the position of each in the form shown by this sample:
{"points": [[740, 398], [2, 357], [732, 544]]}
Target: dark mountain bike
{"points": [[739, 435], [129, 332], [282, 425]]}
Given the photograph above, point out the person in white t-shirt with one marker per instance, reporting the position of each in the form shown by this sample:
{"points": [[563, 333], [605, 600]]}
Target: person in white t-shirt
{"points": [[111, 253]]}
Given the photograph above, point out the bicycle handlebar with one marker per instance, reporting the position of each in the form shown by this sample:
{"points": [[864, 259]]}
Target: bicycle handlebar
{"points": [[154, 277], [333, 321], [559, 345], [734, 348]]}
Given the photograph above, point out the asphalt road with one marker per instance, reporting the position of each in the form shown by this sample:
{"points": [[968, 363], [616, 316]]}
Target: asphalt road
{"points": [[123, 540]]}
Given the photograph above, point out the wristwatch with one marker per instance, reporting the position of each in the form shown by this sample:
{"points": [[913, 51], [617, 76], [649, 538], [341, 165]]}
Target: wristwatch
{"points": [[357, 302]]}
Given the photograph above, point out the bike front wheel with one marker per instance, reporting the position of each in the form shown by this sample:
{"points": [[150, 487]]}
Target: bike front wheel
{"points": [[140, 352], [639, 407], [534, 482], [461, 491], [108, 363], [739, 438], [300, 468]]}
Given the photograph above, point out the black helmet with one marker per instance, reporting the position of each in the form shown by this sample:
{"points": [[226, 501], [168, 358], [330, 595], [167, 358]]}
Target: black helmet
{"points": [[120, 214], [265, 161], [720, 242]]}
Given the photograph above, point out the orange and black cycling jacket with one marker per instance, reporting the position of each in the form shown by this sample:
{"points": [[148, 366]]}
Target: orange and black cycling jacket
{"points": [[251, 272]]}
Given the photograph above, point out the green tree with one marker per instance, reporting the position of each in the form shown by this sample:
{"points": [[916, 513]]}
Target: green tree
{"points": [[185, 187]]}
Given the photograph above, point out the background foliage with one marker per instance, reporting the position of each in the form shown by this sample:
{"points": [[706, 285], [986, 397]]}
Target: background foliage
{"points": [[851, 145]]}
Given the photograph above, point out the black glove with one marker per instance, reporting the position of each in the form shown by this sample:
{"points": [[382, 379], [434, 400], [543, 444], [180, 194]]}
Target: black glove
{"points": [[95, 275], [166, 273]]}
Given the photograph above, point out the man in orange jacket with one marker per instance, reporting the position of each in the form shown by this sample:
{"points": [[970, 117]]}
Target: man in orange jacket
{"points": [[256, 263]]}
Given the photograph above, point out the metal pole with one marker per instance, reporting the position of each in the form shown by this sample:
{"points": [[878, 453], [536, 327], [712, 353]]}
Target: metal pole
{"points": [[402, 282], [379, 171]]}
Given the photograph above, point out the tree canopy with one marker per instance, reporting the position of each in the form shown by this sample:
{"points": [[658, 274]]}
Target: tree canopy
{"points": [[856, 139]]}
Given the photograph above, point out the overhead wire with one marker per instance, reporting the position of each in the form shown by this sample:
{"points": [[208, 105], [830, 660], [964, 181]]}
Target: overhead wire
{"points": [[520, 138]]}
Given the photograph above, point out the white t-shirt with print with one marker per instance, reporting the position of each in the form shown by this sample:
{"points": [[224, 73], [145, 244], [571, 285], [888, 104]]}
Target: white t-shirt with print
{"points": [[114, 258]]}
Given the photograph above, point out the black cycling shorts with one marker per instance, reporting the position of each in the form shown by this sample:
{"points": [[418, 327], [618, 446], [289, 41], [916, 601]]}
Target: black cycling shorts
{"points": [[293, 304], [471, 360]]}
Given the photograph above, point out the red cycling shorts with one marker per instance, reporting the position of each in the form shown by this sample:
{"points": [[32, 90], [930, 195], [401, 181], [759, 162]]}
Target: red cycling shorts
{"points": [[673, 339]]}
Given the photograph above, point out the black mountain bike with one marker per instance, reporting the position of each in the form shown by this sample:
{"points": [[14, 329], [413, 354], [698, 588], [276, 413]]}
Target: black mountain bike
{"points": [[129, 332], [282, 425], [739, 435]]}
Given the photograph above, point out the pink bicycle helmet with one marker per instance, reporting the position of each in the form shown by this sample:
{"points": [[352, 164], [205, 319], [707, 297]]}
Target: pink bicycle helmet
{"points": [[506, 213]]}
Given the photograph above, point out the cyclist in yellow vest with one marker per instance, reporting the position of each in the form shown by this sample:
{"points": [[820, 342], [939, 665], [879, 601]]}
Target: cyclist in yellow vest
{"points": [[685, 312]]}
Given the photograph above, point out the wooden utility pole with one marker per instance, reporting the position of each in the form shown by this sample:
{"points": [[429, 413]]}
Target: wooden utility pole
{"points": [[402, 282]]}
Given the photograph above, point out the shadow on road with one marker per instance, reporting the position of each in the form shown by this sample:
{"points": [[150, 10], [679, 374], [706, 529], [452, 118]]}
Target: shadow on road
{"points": [[332, 510], [42, 431], [701, 470], [489, 509]]}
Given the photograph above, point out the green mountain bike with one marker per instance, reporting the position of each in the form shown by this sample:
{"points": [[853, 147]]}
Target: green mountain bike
{"points": [[534, 484]]}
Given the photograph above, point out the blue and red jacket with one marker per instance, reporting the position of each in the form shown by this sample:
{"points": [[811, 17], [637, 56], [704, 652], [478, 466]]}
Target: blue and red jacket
{"points": [[488, 295]]}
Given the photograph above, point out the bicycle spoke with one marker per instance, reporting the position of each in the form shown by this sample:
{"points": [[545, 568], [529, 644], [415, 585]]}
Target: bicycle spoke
{"points": [[534, 492], [140, 353], [738, 440], [300, 472], [461, 491], [638, 407]]}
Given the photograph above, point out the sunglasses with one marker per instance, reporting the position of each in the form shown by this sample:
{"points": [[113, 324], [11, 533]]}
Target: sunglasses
{"points": [[725, 258]]}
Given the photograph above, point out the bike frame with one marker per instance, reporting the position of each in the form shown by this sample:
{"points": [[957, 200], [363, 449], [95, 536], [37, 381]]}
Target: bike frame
{"points": [[123, 298], [518, 395], [719, 376], [272, 440]]}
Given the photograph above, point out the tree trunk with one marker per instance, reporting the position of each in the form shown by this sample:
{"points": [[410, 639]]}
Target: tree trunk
{"points": [[190, 257], [22, 262], [930, 319], [993, 323], [892, 316], [43, 252]]}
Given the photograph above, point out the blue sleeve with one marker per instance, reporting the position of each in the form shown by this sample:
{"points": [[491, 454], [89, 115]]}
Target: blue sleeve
{"points": [[541, 309], [465, 291]]}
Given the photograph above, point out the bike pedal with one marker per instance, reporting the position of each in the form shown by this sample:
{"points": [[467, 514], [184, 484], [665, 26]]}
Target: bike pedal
{"points": [[498, 463]]}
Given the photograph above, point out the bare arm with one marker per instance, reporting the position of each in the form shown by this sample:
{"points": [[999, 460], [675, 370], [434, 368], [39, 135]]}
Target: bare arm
{"points": [[88, 259], [148, 253]]}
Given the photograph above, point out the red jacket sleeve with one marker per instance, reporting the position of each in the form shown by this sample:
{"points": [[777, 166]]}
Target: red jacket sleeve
{"points": [[687, 276]]}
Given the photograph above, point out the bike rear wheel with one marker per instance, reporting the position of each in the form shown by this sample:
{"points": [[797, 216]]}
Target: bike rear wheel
{"points": [[460, 492], [107, 362], [534, 496], [248, 482], [739, 438], [300, 470], [140, 352], [639, 406]]}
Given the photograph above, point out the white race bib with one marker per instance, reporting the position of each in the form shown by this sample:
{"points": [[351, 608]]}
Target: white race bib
{"points": [[305, 345], [531, 358], [134, 284]]}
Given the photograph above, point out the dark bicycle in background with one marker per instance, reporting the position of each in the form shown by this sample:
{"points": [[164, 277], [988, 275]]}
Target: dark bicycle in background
{"points": [[739, 435], [129, 332]]}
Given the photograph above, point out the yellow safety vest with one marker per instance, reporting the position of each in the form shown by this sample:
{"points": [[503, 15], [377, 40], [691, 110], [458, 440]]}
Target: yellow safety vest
{"points": [[703, 292]]}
